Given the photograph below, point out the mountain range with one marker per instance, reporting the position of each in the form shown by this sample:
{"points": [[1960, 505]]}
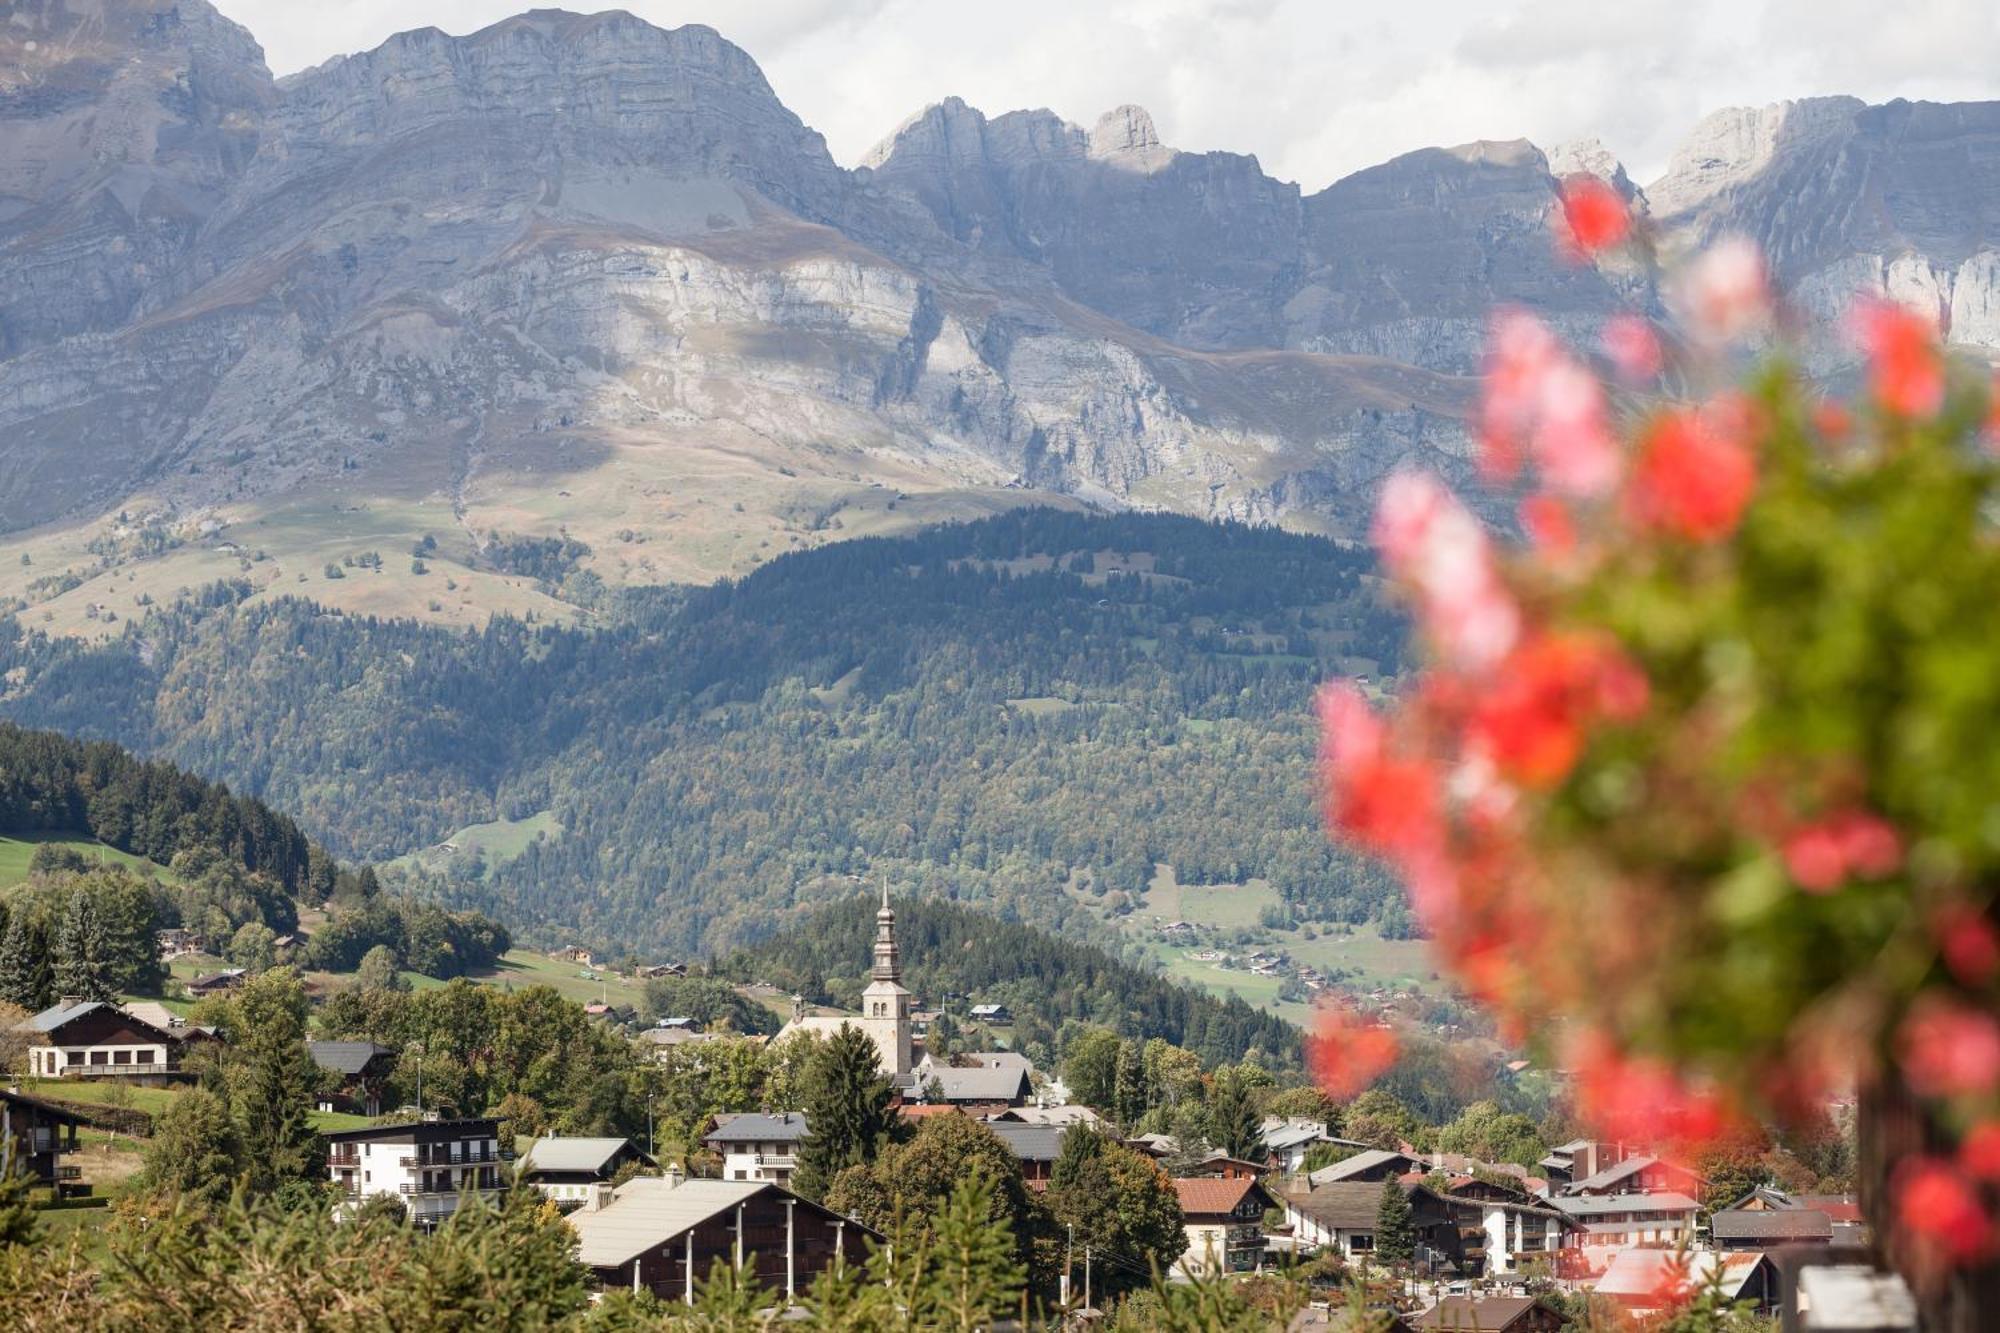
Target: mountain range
{"points": [[578, 277]]}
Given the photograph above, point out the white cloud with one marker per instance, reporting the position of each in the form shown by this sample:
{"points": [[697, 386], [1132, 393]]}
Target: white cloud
{"points": [[1314, 88]]}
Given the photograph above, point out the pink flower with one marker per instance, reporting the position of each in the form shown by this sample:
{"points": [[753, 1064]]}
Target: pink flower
{"points": [[1693, 478], [1595, 216], [1520, 351], [1537, 398], [1814, 861], [1385, 803], [1905, 363], [1726, 293], [1936, 1205], [1633, 348], [1548, 524], [1573, 444], [1947, 1048], [1969, 945], [1435, 545], [1869, 844], [1979, 1152]]}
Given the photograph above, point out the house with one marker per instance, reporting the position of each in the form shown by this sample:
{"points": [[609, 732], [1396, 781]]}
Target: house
{"points": [[214, 983], [1036, 1146], [426, 1164], [1654, 1279], [661, 1040], [650, 971], [1288, 1140], [1846, 1226], [175, 941], [1616, 1221], [1073, 1113], [1220, 1165], [574, 953], [1159, 1147], [34, 1134], [1224, 1221], [1759, 1229], [663, 1233], [1638, 1174], [1501, 1231], [1370, 1164], [567, 1169], [1488, 1314], [1341, 1217], [679, 1023], [992, 1013], [758, 1146], [358, 1071], [89, 1039], [979, 1090]]}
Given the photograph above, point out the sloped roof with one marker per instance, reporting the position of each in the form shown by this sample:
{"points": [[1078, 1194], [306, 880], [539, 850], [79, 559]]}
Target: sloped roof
{"points": [[553, 1153], [49, 1110], [1346, 1205], [1030, 1143], [756, 1127], [1208, 1196], [651, 1210], [1072, 1113], [976, 1085], [1349, 1167], [58, 1016], [1641, 1276], [1793, 1224], [346, 1057], [1594, 1205], [1488, 1314]]}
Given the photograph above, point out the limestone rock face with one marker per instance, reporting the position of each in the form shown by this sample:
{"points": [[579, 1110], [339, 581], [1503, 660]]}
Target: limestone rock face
{"points": [[574, 270]]}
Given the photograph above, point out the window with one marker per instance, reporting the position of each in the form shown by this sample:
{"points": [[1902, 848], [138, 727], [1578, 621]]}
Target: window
{"points": [[1363, 1243], [121, 1058], [97, 1057]]}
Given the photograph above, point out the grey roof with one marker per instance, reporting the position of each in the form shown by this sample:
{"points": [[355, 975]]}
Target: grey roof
{"points": [[346, 1057], [1349, 1167], [975, 1085], [1802, 1224], [1070, 1113], [650, 1211], [554, 1153], [1003, 1060], [1595, 1205], [1347, 1205], [58, 1015], [1030, 1143], [756, 1127]]}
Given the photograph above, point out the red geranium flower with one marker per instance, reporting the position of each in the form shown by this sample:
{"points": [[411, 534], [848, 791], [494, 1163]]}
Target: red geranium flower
{"points": [[1693, 478], [1948, 1048], [1905, 363], [1595, 216], [1969, 944], [1979, 1152], [1934, 1203]]}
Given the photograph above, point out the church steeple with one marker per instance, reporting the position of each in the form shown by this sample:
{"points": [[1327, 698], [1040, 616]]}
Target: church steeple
{"points": [[888, 964]]}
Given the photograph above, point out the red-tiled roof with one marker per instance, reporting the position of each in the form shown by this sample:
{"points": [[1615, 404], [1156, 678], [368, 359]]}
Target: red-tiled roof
{"points": [[1209, 1196]]}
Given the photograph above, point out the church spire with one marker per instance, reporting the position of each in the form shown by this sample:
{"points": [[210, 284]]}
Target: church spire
{"points": [[888, 965]]}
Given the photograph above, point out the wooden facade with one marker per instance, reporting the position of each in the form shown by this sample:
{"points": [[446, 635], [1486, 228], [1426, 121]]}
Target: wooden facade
{"points": [[753, 1233]]}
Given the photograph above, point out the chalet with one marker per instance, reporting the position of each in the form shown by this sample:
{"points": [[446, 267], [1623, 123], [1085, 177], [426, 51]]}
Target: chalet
{"points": [[574, 953], [1224, 1221], [89, 1039], [1035, 1146], [652, 971], [1499, 1231], [992, 1013], [1341, 1217], [214, 983], [175, 941], [978, 1090], [1845, 1227], [662, 1234], [1288, 1140], [355, 1074], [1488, 1314], [568, 1169], [758, 1146], [662, 1040], [1072, 1113], [427, 1164], [1638, 1174], [1616, 1221], [1219, 1165], [1654, 1279], [34, 1134], [1738, 1229], [679, 1022], [1370, 1164]]}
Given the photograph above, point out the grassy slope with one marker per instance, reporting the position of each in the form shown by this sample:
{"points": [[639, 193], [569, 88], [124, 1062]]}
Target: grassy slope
{"points": [[16, 850]]}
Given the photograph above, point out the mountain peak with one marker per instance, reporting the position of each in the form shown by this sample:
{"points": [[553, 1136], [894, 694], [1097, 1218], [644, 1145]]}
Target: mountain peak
{"points": [[1125, 136], [1731, 146]]}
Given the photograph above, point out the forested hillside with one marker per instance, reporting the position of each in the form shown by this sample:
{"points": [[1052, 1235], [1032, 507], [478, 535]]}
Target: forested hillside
{"points": [[224, 864], [1027, 712], [1047, 982]]}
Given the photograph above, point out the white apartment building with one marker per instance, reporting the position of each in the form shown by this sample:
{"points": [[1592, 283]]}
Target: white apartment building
{"points": [[427, 1164], [758, 1147]]}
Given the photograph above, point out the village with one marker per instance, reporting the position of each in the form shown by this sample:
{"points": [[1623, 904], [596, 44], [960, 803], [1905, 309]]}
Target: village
{"points": [[1437, 1240]]}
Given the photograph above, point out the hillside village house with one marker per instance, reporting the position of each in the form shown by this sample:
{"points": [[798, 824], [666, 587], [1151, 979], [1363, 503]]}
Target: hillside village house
{"points": [[755, 1146], [1488, 1314], [92, 1040], [1638, 1174], [1613, 1222], [214, 983], [34, 1135], [356, 1072], [1224, 1222], [663, 1233], [1372, 1165], [568, 1169], [1036, 1147], [425, 1164]]}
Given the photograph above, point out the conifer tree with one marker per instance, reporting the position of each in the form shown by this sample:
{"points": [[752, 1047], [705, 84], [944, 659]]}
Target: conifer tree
{"points": [[82, 967], [1128, 1085], [847, 1110], [1395, 1226], [1233, 1123], [26, 974], [272, 1079], [974, 1277], [194, 1152]]}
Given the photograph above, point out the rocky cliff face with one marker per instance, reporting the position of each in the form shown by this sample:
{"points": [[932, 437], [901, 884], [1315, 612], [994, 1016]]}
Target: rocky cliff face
{"points": [[581, 273]]}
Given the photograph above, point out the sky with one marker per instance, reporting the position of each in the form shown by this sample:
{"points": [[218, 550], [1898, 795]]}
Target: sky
{"points": [[1314, 88]]}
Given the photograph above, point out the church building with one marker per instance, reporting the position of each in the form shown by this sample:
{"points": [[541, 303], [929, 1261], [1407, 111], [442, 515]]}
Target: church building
{"points": [[885, 1006]]}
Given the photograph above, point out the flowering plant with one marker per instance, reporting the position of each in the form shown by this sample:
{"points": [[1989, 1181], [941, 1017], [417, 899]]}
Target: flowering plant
{"points": [[1699, 785]]}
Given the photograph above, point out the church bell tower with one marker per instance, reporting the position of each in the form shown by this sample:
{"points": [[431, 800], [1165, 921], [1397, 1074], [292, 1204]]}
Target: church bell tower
{"points": [[885, 1005]]}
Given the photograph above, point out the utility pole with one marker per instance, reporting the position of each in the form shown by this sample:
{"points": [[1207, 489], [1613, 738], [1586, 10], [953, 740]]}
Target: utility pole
{"points": [[1086, 1277], [1069, 1263], [652, 1148]]}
